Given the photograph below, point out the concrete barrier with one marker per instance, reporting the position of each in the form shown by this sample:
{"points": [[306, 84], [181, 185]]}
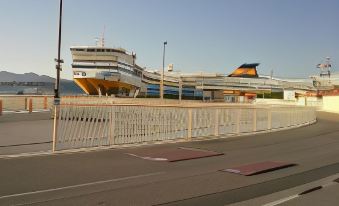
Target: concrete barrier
{"points": [[21, 102], [331, 104]]}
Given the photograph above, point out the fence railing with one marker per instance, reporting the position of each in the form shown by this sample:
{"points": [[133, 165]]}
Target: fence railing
{"points": [[112, 100], [86, 125]]}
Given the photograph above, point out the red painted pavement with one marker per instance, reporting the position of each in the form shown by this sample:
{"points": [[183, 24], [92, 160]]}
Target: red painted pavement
{"points": [[173, 154], [257, 168]]}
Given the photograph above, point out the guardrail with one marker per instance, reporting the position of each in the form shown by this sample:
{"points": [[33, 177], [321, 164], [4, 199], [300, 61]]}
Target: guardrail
{"points": [[95, 125], [113, 100]]}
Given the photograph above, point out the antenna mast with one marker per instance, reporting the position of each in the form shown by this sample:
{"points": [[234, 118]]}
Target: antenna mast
{"points": [[102, 39]]}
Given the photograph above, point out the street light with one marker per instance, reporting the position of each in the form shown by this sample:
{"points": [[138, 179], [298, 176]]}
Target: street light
{"points": [[58, 61], [163, 72]]}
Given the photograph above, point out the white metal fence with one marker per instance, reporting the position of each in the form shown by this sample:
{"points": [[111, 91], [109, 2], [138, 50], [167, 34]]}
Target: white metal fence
{"points": [[80, 126]]}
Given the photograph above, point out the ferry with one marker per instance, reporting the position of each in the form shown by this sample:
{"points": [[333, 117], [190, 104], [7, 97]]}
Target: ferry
{"points": [[101, 70]]}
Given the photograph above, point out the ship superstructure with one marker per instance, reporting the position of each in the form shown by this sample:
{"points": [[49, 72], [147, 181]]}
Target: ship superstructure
{"points": [[107, 71]]}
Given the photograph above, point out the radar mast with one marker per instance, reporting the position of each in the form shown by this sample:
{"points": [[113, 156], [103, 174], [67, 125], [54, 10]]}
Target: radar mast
{"points": [[325, 68]]}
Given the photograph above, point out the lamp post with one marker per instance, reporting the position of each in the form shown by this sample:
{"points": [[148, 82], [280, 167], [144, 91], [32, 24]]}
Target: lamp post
{"points": [[163, 72], [57, 84], [58, 61]]}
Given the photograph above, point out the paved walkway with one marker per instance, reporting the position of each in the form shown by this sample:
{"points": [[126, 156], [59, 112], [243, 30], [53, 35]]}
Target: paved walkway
{"points": [[22, 133]]}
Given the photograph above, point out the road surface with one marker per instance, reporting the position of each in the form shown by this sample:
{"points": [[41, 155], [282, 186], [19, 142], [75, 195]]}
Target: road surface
{"points": [[113, 177]]}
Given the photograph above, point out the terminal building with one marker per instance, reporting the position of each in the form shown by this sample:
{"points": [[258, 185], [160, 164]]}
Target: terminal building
{"points": [[242, 85]]}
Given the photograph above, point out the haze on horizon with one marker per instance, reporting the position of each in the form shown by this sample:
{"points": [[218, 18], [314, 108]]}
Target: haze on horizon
{"points": [[290, 37]]}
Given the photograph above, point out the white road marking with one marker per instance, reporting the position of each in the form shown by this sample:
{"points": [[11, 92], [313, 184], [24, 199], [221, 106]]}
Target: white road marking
{"points": [[328, 184], [148, 158], [81, 185], [281, 200]]}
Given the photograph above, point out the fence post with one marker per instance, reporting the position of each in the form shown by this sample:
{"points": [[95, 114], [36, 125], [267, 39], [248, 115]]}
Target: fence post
{"points": [[112, 127], [216, 123], [269, 118], [30, 107], [55, 126], [0, 107], [238, 121], [254, 120], [189, 124], [45, 102]]}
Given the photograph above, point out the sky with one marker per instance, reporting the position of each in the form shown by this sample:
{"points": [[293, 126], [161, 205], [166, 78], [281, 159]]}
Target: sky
{"points": [[289, 37]]}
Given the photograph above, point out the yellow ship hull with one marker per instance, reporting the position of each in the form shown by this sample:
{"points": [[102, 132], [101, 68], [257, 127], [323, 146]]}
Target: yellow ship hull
{"points": [[94, 86]]}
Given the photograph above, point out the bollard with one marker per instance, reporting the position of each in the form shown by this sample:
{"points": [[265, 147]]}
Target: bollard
{"points": [[45, 102], [26, 105], [30, 106], [0, 107]]}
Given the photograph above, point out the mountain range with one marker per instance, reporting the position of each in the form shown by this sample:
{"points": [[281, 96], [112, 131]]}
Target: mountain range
{"points": [[26, 77], [66, 86]]}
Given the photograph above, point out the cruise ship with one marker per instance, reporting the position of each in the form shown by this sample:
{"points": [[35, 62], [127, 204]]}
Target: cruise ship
{"points": [[101, 70]]}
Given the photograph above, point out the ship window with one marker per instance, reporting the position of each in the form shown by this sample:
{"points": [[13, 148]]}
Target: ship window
{"points": [[79, 49], [100, 50], [108, 50], [91, 50]]}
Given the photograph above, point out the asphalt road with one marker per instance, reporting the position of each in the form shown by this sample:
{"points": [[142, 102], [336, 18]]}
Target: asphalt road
{"points": [[112, 177]]}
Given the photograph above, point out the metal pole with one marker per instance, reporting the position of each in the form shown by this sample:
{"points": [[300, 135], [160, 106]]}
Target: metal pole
{"points": [[163, 72], [57, 85], [59, 61]]}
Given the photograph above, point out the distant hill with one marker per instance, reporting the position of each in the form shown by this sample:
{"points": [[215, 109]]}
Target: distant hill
{"points": [[66, 86], [26, 77]]}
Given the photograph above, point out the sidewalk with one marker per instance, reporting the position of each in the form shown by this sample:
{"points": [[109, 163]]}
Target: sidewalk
{"points": [[24, 132]]}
